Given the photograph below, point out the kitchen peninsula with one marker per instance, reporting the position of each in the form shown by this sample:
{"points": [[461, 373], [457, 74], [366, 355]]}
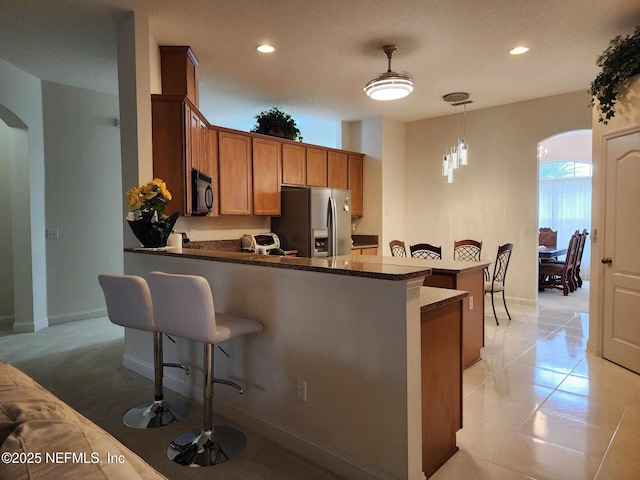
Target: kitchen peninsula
{"points": [[376, 349]]}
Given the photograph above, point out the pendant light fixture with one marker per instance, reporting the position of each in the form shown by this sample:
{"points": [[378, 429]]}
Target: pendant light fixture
{"points": [[389, 85], [458, 154]]}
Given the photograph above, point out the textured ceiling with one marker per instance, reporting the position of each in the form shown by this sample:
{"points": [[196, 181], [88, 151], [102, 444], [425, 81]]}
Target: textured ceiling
{"points": [[328, 49]]}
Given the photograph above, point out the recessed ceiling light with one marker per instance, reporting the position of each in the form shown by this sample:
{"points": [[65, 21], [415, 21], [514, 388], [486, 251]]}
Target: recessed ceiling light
{"points": [[518, 50], [265, 48]]}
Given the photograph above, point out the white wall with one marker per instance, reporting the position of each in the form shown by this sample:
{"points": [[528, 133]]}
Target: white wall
{"points": [[83, 185], [494, 198], [393, 183], [6, 244], [21, 108]]}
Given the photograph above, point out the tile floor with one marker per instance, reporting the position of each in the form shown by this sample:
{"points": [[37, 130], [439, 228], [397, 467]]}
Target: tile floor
{"points": [[538, 407]]}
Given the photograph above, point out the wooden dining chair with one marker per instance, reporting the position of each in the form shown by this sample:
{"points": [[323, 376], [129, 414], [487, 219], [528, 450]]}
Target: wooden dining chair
{"points": [[397, 248], [426, 250], [468, 250], [547, 237], [498, 279], [576, 268], [559, 274]]}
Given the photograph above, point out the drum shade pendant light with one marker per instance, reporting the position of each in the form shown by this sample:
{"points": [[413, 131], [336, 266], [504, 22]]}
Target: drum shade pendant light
{"points": [[389, 85]]}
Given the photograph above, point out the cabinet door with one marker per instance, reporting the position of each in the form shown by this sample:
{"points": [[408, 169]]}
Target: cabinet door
{"points": [[338, 170], [170, 144], [294, 164], [267, 176], [235, 174], [316, 167], [212, 168], [356, 185], [370, 251]]}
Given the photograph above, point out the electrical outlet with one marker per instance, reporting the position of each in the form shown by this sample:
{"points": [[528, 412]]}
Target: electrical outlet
{"points": [[470, 303], [52, 234], [301, 389]]}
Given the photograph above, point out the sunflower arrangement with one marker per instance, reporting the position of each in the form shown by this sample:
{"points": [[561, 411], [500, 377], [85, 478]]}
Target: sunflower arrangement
{"points": [[146, 218]]}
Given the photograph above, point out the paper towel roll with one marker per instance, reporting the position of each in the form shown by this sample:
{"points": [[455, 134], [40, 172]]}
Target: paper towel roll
{"points": [[175, 241]]}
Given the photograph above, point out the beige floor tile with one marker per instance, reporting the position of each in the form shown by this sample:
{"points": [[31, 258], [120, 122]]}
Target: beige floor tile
{"points": [[580, 321], [481, 439], [583, 408], [600, 369], [573, 331], [483, 369], [599, 390], [548, 362], [625, 449], [615, 471], [630, 422], [546, 461], [460, 466], [563, 346], [533, 375], [470, 383], [568, 432], [496, 472], [494, 410], [502, 386]]}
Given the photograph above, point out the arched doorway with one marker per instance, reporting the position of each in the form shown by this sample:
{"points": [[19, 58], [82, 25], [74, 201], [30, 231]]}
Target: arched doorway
{"points": [[564, 193]]}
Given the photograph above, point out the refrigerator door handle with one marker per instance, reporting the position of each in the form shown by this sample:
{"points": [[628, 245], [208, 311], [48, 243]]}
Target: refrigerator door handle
{"points": [[332, 226]]}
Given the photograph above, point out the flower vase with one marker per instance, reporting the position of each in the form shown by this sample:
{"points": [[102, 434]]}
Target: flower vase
{"points": [[153, 234]]}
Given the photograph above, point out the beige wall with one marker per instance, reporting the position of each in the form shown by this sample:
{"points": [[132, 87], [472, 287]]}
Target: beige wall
{"points": [[393, 183], [494, 198]]}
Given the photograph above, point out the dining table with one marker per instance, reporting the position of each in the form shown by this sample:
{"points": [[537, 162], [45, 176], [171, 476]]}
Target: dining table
{"points": [[550, 252]]}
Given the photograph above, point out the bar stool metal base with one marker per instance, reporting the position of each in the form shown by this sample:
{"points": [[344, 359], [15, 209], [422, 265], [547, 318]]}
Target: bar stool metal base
{"points": [[198, 448], [157, 414]]}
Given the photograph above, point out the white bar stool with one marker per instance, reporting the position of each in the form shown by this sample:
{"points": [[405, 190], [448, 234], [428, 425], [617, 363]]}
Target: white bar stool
{"points": [[183, 306], [128, 302]]}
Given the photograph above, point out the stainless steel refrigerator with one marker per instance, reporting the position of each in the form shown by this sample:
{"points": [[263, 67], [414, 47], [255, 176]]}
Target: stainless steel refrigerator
{"points": [[314, 221]]}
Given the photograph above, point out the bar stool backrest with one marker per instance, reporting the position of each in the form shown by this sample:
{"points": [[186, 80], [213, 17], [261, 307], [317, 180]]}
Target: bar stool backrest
{"points": [[128, 301], [183, 306]]}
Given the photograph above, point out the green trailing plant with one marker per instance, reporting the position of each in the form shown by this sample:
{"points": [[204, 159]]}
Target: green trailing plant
{"points": [[619, 62], [277, 123]]}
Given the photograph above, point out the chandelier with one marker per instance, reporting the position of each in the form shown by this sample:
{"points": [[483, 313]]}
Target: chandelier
{"points": [[389, 85], [456, 151]]}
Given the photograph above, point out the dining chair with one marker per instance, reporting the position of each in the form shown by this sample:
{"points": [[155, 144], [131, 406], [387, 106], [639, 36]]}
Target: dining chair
{"points": [[426, 250], [547, 237], [397, 248], [576, 269], [497, 282], [468, 250], [559, 274]]}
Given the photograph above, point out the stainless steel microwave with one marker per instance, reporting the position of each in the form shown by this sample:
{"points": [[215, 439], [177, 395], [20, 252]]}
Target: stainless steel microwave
{"points": [[201, 193]]}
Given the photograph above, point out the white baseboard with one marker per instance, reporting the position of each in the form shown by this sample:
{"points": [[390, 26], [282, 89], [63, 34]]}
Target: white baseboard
{"points": [[75, 316], [29, 327], [302, 445], [6, 320]]}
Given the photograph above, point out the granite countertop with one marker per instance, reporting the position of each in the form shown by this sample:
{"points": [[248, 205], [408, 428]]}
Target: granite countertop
{"points": [[433, 297], [439, 266], [347, 265]]}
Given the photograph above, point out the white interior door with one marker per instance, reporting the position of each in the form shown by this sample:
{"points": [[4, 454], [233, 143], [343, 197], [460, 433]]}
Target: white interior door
{"points": [[621, 335]]}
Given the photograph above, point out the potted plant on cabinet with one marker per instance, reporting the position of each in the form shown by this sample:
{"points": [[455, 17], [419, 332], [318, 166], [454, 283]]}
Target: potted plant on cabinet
{"points": [[277, 123], [619, 62]]}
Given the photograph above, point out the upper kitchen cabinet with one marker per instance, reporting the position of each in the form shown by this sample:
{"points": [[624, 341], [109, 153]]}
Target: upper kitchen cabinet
{"points": [[235, 173], [178, 70], [338, 170], [294, 164], [316, 167], [267, 176], [171, 141], [356, 184]]}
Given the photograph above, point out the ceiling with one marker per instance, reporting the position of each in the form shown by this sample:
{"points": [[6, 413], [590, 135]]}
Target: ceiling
{"points": [[328, 49]]}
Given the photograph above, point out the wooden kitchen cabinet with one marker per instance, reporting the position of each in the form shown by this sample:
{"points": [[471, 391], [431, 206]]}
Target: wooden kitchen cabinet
{"points": [[235, 173], [337, 170], [267, 176], [178, 70], [171, 147], [356, 184], [316, 167], [294, 164]]}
